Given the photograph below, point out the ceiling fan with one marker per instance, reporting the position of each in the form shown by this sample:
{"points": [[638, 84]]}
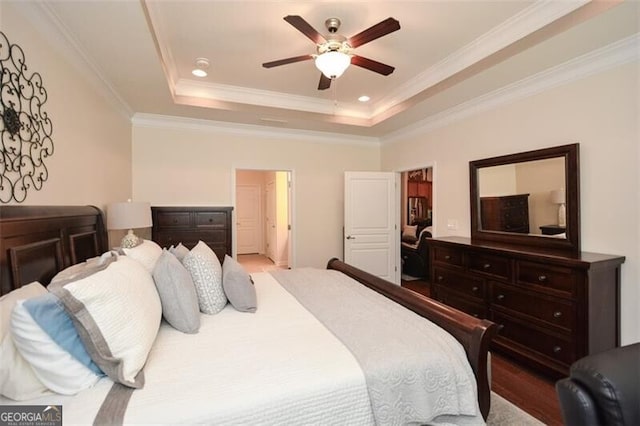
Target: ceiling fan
{"points": [[335, 52]]}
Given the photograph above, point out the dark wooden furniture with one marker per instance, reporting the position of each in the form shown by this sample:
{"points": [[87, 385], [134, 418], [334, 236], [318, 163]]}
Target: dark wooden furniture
{"points": [[415, 257], [188, 225], [554, 308], [552, 229], [509, 213], [25, 227], [568, 154], [474, 334], [38, 241]]}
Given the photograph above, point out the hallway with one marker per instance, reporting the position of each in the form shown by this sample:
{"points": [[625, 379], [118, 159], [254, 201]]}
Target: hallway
{"points": [[257, 263]]}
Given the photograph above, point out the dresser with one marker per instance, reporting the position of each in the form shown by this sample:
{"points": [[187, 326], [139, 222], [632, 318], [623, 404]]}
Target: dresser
{"points": [[553, 308], [509, 213], [188, 225]]}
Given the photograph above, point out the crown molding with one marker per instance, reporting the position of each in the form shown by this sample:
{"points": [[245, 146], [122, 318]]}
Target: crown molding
{"points": [[529, 20], [265, 132], [46, 21], [608, 57]]}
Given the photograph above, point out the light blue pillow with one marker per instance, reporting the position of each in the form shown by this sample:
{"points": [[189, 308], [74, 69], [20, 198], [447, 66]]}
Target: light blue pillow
{"points": [[49, 313]]}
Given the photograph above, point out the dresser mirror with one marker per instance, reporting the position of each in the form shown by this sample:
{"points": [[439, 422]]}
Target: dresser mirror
{"points": [[530, 198]]}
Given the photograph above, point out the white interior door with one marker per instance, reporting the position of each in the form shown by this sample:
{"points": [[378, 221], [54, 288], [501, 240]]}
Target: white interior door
{"points": [[248, 231], [370, 221], [271, 220]]}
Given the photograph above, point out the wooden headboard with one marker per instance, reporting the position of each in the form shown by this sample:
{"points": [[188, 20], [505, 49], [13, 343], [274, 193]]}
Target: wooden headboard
{"points": [[36, 242]]}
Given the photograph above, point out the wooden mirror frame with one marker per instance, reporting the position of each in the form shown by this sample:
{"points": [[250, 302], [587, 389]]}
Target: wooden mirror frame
{"points": [[572, 178]]}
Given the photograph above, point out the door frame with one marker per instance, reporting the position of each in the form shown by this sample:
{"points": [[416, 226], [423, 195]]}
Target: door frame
{"points": [[292, 209]]}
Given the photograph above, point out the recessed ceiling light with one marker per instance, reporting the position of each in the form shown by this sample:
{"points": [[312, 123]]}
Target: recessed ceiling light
{"points": [[201, 67], [364, 98]]}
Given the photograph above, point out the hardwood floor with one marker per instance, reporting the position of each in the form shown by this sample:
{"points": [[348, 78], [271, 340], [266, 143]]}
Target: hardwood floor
{"points": [[527, 389]]}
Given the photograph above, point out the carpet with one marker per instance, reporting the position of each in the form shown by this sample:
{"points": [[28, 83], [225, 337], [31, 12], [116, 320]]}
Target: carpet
{"points": [[406, 277], [504, 413]]}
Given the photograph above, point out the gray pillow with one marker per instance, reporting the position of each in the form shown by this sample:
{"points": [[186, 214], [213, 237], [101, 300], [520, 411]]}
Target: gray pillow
{"points": [[238, 286], [206, 273], [179, 251], [177, 294]]}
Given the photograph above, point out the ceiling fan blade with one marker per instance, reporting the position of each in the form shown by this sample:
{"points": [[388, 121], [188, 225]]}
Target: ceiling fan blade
{"points": [[372, 65], [303, 26], [325, 82], [286, 61], [380, 29]]}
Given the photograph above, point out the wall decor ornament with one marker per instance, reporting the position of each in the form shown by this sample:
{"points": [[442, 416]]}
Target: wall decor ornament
{"points": [[25, 128]]}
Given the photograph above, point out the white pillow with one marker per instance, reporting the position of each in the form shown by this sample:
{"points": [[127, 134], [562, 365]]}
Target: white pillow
{"points": [[117, 313], [146, 253], [17, 379], [55, 367], [206, 272]]}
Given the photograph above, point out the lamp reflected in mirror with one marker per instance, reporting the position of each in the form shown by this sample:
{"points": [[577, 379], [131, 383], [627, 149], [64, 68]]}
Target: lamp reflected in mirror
{"points": [[558, 197]]}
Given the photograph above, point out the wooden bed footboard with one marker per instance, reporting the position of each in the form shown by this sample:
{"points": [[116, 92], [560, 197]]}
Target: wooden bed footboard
{"points": [[474, 334]]}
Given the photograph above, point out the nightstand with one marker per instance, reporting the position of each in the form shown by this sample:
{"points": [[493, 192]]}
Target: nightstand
{"points": [[552, 229]]}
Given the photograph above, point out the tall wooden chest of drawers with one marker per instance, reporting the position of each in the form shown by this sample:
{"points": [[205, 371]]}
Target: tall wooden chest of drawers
{"points": [[188, 225], [509, 213], [554, 308]]}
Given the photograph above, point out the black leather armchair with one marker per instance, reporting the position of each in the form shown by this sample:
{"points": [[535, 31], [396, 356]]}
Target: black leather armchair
{"points": [[603, 389], [415, 254]]}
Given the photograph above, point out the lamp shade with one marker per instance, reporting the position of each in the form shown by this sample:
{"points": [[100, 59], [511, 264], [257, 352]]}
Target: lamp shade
{"points": [[558, 196], [332, 64], [129, 215]]}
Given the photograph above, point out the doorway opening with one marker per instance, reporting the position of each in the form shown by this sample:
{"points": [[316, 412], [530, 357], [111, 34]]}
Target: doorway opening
{"points": [[263, 212]]}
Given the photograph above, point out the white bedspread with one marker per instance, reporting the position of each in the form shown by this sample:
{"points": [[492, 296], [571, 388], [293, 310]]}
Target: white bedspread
{"points": [[302, 375]]}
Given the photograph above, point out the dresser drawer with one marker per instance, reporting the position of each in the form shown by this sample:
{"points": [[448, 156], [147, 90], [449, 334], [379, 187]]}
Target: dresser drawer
{"points": [[191, 238], [213, 219], [461, 283], [472, 308], [553, 346], [447, 255], [172, 220], [492, 265], [546, 276], [551, 311]]}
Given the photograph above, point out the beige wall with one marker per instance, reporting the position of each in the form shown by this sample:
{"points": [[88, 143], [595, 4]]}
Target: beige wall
{"points": [[538, 179], [601, 113], [91, 163], [196, 166]]}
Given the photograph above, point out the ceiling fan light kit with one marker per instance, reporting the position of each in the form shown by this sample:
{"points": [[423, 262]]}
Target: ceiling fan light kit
{"points": [[335, 52]]}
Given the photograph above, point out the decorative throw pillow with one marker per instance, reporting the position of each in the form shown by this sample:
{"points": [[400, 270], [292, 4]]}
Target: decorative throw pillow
{"points": [[206, 272], [177, 293], [409, 231], [117, 313], [17, 379], [238, 286], [146, 253], [179, 251], [56, 368], [84, 269]]}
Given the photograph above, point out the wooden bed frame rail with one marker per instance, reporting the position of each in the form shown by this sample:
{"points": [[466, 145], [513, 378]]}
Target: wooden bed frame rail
{"points": [[474, 334]]}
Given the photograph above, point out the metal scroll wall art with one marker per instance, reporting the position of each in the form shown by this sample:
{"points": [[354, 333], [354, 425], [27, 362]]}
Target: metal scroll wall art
{"points": [[25, 128]]}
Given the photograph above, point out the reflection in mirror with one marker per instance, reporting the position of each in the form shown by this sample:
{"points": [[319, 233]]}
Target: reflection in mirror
{"points": [[529, 198], [526, 197]]}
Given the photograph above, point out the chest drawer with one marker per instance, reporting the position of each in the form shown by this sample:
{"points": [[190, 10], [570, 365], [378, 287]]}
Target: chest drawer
{"points": [[546, 276], [492, 265], [555, 346], [475, 309], [463, 284], [172, 219], [447, 256], [552, 311], [212, 219]]}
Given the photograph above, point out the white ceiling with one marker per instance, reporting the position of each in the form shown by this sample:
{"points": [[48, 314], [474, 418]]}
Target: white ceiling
{"points": [[446, 54]]}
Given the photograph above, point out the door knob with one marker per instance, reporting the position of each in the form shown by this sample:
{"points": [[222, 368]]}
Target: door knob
{"points": [[349, 237]]}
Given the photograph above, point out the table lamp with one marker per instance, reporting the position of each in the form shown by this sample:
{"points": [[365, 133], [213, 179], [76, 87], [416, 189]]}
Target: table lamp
{"points": [[129, 215], [558, 197]]}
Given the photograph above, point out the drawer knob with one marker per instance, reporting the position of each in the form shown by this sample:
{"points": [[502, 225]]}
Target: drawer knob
{"points": [[557, 314], [486, 266], [440, 278], [447, 257], [474, 288], [557, 349], [175, 220], [210, 220], [542, 278], [475, 315], [500, 297]]}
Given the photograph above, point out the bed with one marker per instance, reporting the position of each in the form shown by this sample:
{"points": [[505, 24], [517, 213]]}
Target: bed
{"points": [[315, 377]]}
